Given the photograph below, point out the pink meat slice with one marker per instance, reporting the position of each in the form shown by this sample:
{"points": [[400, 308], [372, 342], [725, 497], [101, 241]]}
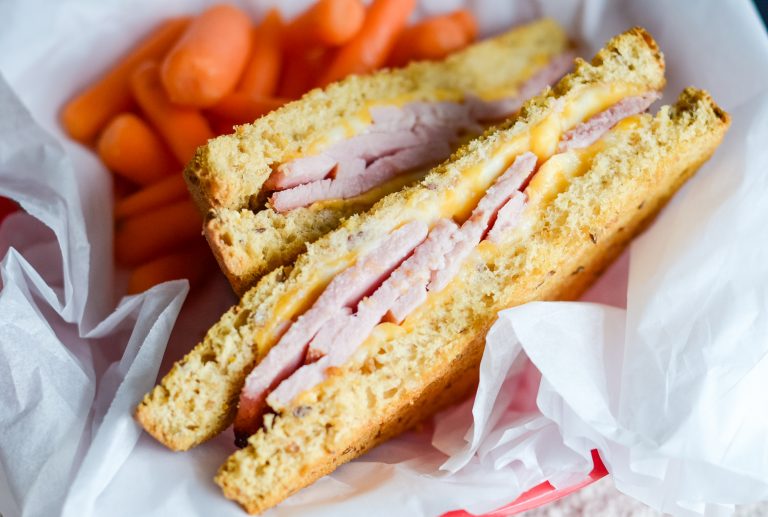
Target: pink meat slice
{"points": [[507, 216], [370, 146], [592, 130], [452, 115], [407, 159], [300, 170], [346, 186], [476, 226], [344, 290], [340, 188], [337, 347], [349, 167], [326, 332], [406, 304], [503, 108], [389, 118]]}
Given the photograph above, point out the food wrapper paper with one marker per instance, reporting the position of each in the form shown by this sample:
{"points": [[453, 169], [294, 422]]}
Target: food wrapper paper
{"points": [[662, 367]]}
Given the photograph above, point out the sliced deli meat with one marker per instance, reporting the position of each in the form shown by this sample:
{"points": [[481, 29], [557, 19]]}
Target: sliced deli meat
{"points": [[507, 216], [300, 170], [353, 180], [354, 329], [592, 130], [418, 134], [344, 290], [474, 229]]}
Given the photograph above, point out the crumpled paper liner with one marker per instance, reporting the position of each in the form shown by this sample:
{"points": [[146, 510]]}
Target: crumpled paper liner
{"points": [[672, 390]]}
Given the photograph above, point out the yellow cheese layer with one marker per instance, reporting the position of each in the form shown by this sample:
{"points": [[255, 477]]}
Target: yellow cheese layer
{"points": [[373, 195]]}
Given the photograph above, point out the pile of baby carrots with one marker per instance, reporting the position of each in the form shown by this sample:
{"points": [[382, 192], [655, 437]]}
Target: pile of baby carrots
{"points": [[193, 78]]}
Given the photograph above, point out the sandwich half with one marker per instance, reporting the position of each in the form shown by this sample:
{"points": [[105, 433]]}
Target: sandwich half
{"points": [[277, 184], [382, 321]]}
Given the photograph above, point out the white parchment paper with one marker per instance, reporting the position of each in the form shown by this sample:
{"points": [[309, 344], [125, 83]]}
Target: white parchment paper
{"points": [[663, 368]]}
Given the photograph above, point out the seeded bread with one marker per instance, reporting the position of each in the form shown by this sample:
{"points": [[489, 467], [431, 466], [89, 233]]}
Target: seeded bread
{"points": [[250, 239], [197, 399]]}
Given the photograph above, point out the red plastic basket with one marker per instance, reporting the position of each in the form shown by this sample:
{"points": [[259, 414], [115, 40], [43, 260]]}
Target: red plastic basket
{"points": [[542, 494], [7, 207]]}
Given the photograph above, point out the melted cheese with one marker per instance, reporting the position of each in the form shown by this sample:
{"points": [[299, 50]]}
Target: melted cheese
{"points": [[299, 299], [505, 91], [373, 195]]}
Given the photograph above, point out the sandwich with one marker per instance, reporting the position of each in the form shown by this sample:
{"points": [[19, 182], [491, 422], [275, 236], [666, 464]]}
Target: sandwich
{"points": [[382, 321], [277, 184]]}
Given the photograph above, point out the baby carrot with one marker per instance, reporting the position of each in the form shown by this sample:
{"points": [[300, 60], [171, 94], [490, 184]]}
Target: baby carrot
{"points": [[194, 263], [130, 148], [433, 38], [183, 129], [467, 20], [262, 72], [121, 187], [241, 108], [206, 62], [302, 71], [149, 235], [327, 23], [370, 47], [221, 126], [164, 192], [85, 115], [295, 78]]}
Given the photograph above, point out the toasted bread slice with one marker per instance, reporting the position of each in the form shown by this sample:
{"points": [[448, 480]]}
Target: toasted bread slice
{"points": [[226, 176], [197, 399]]}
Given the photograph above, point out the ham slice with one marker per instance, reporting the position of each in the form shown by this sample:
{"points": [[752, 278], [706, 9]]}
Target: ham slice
{"points": [[357, 164], [349, 168], [474, 228], [346, 184], [388, 118], [433, 264], [589, 132], [507, 216], [344, 290], [300, 170], [351, 330], [370, 146], [406, 304], [452, 115]]}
